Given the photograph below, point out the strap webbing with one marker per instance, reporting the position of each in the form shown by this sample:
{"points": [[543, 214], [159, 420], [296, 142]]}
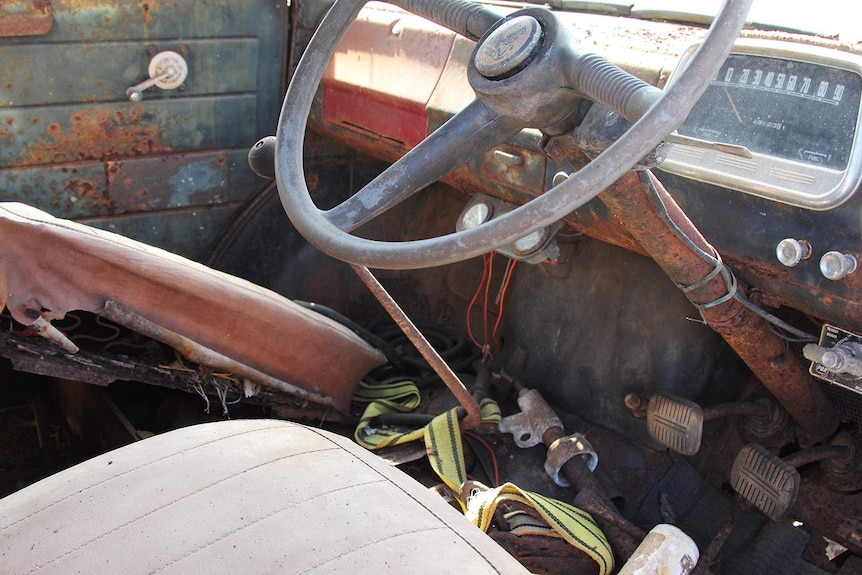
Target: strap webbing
{"points": [[446, 454]]}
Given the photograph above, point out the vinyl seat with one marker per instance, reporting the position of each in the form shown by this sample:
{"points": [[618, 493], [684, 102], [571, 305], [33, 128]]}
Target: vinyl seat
{"points": [[246, 496]]}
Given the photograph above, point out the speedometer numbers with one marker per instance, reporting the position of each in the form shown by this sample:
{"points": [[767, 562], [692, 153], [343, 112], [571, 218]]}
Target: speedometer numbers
{"points": [[796, 108]]}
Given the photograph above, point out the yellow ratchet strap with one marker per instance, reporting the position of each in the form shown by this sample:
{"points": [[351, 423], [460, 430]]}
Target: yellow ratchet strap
{"points": [[445, 453], [398, 397], [570, 523]]}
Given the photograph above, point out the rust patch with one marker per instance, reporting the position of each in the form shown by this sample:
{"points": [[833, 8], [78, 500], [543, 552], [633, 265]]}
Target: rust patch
{"points": [[746, 332], [111, 171], [147, 8], [95, 135], [94, 196], [25, 18]]}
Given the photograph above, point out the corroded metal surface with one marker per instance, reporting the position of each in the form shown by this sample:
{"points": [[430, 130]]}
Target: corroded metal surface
{"points": [[542, 554], [592, 497], [73, 145], [26, 18], [88, 134], [763, 351]]}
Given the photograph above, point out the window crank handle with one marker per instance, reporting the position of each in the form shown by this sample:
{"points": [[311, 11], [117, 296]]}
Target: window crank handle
{"points": [[167, 70]]}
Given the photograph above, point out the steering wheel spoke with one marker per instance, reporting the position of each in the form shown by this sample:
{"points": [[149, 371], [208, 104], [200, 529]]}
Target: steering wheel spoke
{"points": [[469, 19], [526, 71], [470, 132]]}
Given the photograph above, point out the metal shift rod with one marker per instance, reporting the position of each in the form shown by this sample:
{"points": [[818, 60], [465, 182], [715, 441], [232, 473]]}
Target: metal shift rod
{"points": [[455, 385]]}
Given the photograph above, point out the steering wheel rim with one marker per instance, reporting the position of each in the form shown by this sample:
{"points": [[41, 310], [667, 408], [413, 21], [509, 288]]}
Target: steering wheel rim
{"points": [[646, 133]]}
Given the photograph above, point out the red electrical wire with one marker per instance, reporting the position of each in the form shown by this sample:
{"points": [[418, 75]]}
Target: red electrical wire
{"points": [[485, 260], [484, 288], [500, 307], [490, 450], [486, 333]]}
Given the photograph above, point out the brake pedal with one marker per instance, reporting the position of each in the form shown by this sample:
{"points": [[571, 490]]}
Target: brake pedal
{"points": [[765, 480], [675, 423]]}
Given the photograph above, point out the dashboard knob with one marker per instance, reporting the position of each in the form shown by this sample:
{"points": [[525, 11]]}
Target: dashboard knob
{"points": [[835, 265], [790, 251], [843, 358], [261, 157]]}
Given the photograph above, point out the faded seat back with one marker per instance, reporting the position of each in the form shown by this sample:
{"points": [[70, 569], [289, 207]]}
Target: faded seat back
{"points": [[50, 266]]}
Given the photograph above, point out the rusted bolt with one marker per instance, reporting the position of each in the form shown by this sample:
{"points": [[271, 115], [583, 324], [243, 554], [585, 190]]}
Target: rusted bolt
{"points": [[182, 49], [151, 49], [637, 404]]}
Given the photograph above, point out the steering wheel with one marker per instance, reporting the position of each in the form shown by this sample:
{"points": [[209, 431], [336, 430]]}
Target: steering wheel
{"points": [[526, 71]]}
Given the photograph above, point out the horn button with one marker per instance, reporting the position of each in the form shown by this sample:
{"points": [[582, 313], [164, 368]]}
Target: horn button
{"points": [[509, 48]]}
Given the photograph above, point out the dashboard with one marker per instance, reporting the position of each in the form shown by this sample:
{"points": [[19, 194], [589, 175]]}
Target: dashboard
{"points": [[796, 112], [792, 102]]}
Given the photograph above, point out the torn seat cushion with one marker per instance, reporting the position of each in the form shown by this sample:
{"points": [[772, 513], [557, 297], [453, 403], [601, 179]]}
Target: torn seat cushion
{"points": [[252, 496], [50, 266]]}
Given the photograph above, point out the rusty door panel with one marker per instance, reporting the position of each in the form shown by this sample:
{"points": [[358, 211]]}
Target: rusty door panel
{"points": [[25, 17], [72, 144], [101, 20], [192, 232], [70, 133], [93, 189]]}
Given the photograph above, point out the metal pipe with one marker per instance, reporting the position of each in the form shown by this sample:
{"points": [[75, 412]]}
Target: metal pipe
{"points": [[819, 453], [747, 333], [736, 408], [440, 367], [623, 535]]}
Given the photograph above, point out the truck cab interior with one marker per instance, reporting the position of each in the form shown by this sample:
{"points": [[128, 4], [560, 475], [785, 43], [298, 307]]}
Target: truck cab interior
{"points": [[317, 286]]}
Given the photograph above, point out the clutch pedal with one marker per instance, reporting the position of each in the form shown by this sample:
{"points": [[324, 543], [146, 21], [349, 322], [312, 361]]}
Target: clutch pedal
{"points": [[765, 480], [675, 423]]}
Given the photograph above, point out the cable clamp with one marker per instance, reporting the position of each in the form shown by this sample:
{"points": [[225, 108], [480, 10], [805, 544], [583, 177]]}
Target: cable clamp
{"points": [[564, 449], [730, 284], [719, 267]]}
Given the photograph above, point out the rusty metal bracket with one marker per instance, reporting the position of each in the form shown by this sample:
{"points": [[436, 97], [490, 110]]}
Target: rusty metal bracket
{"points": [[530, 424], [455, 385], [566, 448], [537, 416]]}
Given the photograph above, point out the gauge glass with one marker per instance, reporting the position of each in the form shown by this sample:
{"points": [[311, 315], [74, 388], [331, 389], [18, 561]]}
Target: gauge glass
{"points": [[475, 215], [531, 242], [794, 110]]}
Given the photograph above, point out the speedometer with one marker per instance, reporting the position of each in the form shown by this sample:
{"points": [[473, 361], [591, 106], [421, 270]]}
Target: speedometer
{"points": [[796, 108]]}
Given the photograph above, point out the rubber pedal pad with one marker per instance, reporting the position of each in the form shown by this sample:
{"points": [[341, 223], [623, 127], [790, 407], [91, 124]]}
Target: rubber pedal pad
{"points": [[675, 423], [765, 480]]}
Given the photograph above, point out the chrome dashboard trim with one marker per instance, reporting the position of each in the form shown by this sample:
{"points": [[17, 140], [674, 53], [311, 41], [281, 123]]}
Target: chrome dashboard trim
{"points": [[791, 182]]}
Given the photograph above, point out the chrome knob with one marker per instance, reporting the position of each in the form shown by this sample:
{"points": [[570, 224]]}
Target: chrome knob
{"points": [[790, 251], [835, 265]]}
